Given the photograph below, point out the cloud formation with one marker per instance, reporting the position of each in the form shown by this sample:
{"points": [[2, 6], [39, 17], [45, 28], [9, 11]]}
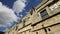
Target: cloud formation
{"points": [[19, 5], [7, 16]]}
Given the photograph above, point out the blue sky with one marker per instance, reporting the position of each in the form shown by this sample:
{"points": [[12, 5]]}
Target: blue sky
{"points": [[18, 8]]}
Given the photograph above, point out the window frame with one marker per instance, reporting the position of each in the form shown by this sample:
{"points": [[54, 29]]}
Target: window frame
{"points": [[44, 14]]}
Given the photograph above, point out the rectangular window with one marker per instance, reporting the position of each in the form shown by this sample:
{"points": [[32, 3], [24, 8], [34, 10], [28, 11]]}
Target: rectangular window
{"points": [[36, 32], [55, 1], [44, 14], [54, 5], [24, 22]]}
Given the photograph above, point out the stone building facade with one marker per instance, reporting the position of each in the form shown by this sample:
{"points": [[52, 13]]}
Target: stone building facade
{"points": [[42, 19]]}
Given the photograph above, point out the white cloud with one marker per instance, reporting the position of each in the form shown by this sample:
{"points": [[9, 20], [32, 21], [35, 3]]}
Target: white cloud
{"points": [[6, 15], [19, 5]]}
